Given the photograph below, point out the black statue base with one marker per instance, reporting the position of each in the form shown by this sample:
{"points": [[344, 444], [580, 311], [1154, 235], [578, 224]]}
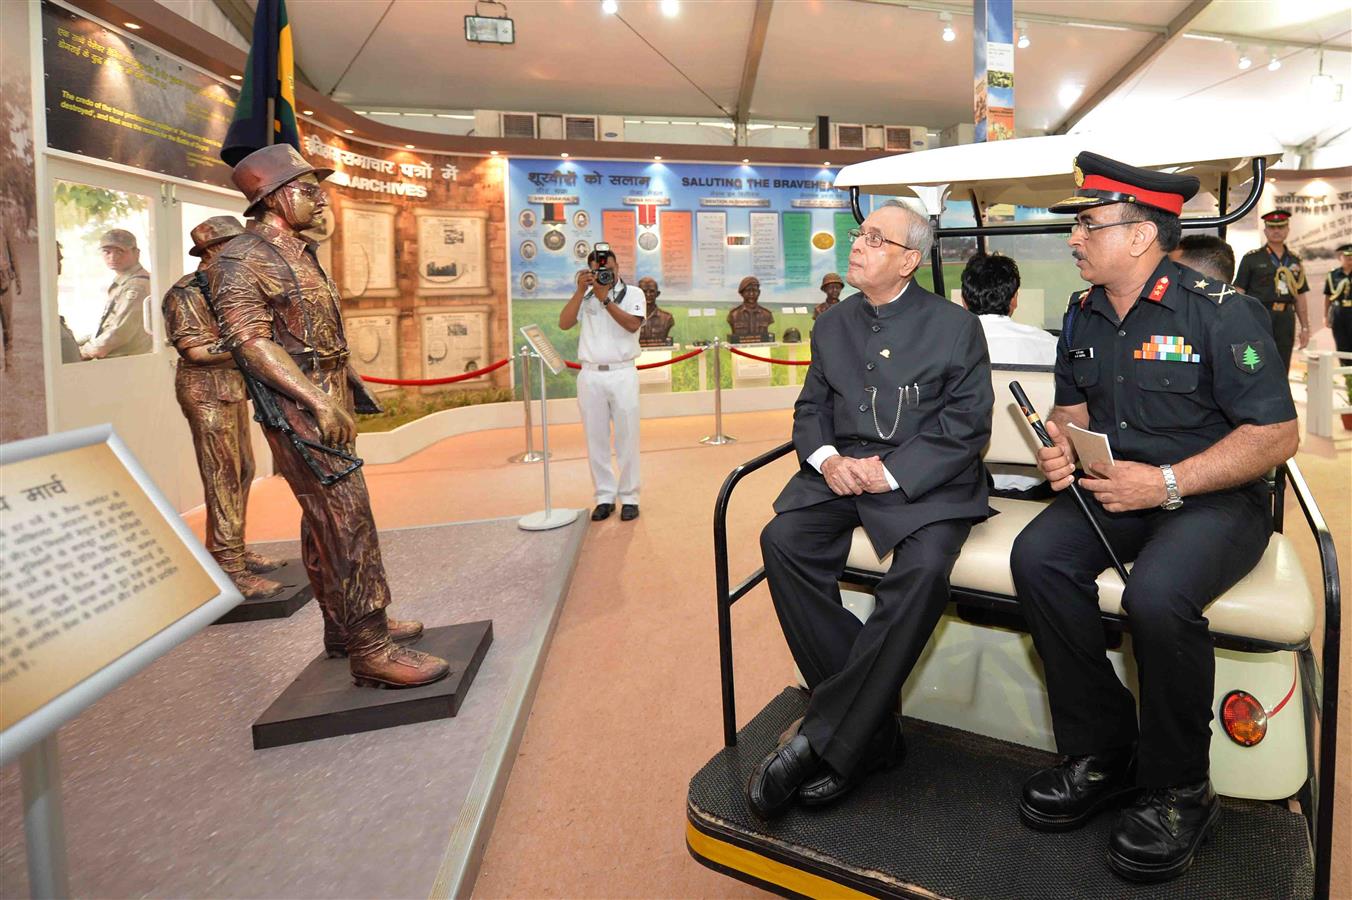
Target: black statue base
{"points": [[296, 594], [323, 702]]}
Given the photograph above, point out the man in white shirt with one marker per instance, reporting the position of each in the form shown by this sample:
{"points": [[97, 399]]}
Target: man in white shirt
{"points": [[607, 386], [990, 290]]}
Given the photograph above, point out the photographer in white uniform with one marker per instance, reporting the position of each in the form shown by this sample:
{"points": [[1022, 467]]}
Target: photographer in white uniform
{"points": [[607, 385]]}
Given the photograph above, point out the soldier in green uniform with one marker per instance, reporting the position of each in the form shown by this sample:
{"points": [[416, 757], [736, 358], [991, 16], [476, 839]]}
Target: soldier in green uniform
{"points": [[1273, 275], [1338, 300], [123, 328]]}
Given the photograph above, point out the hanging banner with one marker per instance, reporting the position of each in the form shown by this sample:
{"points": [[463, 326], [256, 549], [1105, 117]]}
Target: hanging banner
{"points": [[113, 98], [993, 66]]}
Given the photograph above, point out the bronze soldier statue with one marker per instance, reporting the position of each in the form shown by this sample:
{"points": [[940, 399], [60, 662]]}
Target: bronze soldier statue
{"points": [[279, 313], [832, 285], [657, 322], [211, 394], [750, 321]]}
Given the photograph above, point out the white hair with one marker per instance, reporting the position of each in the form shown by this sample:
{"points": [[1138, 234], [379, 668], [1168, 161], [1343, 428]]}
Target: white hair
{"points": [[919, 234]]}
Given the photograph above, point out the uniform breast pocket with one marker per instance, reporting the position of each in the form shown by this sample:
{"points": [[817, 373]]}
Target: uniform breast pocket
{"points": [[1085, 372], [1167, 393]]}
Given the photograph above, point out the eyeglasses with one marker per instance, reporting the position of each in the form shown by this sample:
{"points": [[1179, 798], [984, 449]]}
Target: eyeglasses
{"points": [[1088, 228], [873, 239], [310, 190]]}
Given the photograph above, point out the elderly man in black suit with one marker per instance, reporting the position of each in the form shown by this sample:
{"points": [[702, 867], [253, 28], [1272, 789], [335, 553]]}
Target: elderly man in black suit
{"points": [[889, 430]]}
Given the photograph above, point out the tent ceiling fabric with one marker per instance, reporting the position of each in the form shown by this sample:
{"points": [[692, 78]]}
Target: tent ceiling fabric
{"points": [[867, 61]]}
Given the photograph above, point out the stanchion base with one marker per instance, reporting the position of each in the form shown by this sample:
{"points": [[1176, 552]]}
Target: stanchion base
{"points": [[543, 521], [716, 439], [531, 457]]}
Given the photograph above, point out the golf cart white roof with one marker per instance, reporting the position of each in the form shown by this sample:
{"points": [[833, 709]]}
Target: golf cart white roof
{"points": [[1037, 171]]}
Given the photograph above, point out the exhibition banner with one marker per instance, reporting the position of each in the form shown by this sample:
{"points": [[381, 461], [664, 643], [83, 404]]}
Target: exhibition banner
{"points": [[110, 97], [993, 65], [697, 228]]}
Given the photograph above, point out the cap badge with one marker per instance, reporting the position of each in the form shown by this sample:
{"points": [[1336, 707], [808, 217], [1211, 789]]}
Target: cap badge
{"points": [[1079, 176]]}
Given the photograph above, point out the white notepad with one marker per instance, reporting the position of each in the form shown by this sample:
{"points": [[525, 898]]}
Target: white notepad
{"points": [[1090, 446]]}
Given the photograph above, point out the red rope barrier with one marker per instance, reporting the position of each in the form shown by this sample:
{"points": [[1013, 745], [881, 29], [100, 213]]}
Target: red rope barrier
{"points": [[653, 365], [450, 379], [782, 362]]}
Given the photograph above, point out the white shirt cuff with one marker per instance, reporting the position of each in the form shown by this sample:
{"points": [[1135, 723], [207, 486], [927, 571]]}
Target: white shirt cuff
{"points": [[891, 482], [821, 455]]}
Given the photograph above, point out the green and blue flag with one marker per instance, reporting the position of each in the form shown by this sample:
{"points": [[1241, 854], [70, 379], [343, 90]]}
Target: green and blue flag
{"points": [[270, 74]]}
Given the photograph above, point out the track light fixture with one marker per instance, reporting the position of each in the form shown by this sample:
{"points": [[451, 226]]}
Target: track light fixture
{"points": [[1023, 41], [1273, 62], [1244, 60], [947, 19]]}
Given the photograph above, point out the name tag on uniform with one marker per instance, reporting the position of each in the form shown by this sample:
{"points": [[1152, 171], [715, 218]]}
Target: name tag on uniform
{"points": [[1082, 353]]}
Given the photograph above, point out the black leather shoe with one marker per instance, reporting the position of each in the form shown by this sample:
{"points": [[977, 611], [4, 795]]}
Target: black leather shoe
{"points": [[1155, 838], [886, 749], [602, 511], [1066, 796], [628, 512], [775, 781]]}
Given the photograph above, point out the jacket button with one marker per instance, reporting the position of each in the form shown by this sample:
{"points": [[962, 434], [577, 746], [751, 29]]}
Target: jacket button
{"points": [[1122, 425], [1121, 334], [877, 328], [863, 407], [870, 367], [1165, 382], [1120, 379]]}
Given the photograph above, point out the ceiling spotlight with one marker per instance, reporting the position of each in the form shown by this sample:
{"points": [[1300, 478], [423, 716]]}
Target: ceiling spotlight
{"points": [[827, 163], [671, 8], [347, 131], [1322, 87], [492, 153], [563, 155], [132, 25], [1273, 62], [1023, 36], [746, 160], [307, 112], [610, 7], [947, 20], [236, 77], [408, 146], [1244, 61]]}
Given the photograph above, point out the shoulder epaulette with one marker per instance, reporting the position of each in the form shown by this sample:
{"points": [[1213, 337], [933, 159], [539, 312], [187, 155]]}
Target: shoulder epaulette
{"points": [[240, 246], [1079, 297], [1195, 282]]}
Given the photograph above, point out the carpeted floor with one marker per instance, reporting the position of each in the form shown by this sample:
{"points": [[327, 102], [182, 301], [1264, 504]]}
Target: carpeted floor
{"points": [[165, 796], [628, 705]]}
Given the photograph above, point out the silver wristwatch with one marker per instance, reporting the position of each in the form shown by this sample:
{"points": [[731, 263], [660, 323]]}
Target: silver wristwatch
{"points": [[1172, 499]]}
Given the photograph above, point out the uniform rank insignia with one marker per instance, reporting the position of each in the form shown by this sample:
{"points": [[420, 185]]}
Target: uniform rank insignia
{"points": [[1157, 292], [1247, 357], [1167, 348]]}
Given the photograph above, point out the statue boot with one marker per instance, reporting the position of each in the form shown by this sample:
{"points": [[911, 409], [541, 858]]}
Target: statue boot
{"points": [[335, 635], [257, 562], [255, 587], [377, 661]]}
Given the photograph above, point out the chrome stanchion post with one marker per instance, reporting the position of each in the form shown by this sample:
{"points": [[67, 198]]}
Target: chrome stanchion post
{"points": [[551, 517], [718, 437], [42, 820], [530, 455]]}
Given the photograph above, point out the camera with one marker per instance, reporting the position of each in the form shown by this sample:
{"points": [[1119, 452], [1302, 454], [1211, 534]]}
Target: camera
{"points": [[604, 258]]}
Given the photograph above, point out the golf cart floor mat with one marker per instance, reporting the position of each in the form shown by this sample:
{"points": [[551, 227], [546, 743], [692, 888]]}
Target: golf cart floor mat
{"points": [[945, 824]]}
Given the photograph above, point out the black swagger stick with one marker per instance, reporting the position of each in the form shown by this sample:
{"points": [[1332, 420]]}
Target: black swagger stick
{"points": [[1035, 420]]}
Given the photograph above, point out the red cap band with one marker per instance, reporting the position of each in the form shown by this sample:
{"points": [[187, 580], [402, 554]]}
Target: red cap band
{"points": [[1169, 202]]}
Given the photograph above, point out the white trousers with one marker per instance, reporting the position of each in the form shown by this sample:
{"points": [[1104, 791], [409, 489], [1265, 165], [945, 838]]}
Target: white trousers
{"points": [[604, 398]]}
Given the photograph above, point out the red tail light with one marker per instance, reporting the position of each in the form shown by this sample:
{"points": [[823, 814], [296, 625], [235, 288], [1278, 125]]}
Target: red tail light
{"points": [[1243, 718]]}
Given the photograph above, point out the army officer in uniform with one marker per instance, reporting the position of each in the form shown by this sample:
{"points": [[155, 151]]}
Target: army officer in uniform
{"points": [[1274, 275], [889, 429], [1181, 372], [1338, 300]]}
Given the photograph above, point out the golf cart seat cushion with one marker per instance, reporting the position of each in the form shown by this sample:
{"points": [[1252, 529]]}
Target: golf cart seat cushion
{"points": [[1272, 603]]}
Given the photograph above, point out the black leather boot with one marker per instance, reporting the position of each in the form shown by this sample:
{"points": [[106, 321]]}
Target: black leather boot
{"points": [[885, 750], [1068, 795], [1156, 837]]}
